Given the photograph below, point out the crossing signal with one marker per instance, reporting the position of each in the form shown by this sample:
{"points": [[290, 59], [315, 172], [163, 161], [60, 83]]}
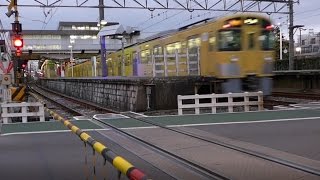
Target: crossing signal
{"points": [[18, 52], [18, 42]]}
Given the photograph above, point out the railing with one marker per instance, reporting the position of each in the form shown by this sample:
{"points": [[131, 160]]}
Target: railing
{"points": [[23, 110], [219, 100]]}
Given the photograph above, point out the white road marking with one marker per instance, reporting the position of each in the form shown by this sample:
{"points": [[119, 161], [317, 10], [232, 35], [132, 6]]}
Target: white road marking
{"points": [[46, 132], [183, 125]]}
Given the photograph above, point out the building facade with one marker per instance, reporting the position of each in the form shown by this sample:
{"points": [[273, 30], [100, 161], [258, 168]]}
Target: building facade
{"points": [[308, 44]]}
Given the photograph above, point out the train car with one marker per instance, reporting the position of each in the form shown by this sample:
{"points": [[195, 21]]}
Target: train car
{"points": [[233, 54]]}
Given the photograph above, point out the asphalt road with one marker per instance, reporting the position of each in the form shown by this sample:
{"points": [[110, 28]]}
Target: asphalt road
{"points": [[296, 137], [57, 156]]}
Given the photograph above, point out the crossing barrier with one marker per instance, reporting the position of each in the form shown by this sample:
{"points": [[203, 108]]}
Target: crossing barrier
{"points": [[118, 162], [246, 103]]}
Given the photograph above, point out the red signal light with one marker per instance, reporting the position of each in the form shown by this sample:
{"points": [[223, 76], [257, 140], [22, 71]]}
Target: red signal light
{"points": [[18, 52], [18, 42]]}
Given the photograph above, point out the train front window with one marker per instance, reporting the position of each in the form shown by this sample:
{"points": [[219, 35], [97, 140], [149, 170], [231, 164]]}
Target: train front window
{"points": [[229, 40], [267, 40]]}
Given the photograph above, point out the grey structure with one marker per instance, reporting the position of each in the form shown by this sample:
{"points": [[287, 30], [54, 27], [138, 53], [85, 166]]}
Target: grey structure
{"points": [[308, 45], [82, 36]]}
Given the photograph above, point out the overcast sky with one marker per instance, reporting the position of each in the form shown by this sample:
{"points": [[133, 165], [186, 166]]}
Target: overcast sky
{"points": [[306, 13]]}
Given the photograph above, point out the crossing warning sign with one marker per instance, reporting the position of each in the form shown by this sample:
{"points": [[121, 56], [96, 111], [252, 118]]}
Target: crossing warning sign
{"points": [[6, 79]]}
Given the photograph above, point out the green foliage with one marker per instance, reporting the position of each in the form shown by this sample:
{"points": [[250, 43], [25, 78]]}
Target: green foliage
{"points": [[299, 64]]}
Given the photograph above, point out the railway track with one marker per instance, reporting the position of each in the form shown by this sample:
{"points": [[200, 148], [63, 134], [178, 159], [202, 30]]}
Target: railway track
{"points": [[207, 172], [311, 96]]}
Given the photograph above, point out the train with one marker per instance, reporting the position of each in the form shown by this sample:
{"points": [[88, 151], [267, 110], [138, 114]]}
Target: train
{"points": [[232, 54]]}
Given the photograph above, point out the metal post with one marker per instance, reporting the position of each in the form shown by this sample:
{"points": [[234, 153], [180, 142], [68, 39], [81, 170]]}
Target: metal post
{"points": [[102, 42], [291, 42], [280, 42], [71, 60], [122, 56]]}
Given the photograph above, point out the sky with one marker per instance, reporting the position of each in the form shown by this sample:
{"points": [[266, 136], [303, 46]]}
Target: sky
{"points": [[306, 13]]}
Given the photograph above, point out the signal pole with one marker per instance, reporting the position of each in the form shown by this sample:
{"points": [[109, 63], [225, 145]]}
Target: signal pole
{"points": [[17, 39], [291, 42], [102, 41]]}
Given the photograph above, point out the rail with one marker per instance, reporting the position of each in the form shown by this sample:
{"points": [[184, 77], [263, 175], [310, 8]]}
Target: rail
{"points": [[23, 110], [257, 100]]}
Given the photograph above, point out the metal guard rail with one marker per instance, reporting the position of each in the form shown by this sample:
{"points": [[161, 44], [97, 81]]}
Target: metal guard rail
{"points": [[117, 161]]}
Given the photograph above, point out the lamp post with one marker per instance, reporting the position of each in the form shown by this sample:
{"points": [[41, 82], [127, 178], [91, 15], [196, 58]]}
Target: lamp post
{"points": [[123, 40], [103, 53], [71, 59], [279, 25]]}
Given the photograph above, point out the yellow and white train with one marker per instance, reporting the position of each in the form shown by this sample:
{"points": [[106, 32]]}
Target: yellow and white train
{"points": [[235, 52]]}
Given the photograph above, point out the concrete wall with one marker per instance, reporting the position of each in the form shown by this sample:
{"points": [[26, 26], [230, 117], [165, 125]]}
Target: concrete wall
{"points": [[124, 94], [297, 80]]}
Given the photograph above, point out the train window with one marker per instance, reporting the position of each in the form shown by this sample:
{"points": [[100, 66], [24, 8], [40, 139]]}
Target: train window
{"points": [[251, 41], [212, 42], [172, 48], [193, 44], [145, 56], [229, 40], [157, 50], [267, 40], [184, 47]]}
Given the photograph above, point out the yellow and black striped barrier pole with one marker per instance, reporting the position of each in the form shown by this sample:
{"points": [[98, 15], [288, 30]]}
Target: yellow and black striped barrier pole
{"points": [[118, 162]]}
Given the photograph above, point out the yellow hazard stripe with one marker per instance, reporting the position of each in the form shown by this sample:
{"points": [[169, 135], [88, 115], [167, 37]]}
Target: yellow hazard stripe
{"points": [[99, 147], [121, 164], [18, 94], [84, 136], [118, 162], [74, 129]]}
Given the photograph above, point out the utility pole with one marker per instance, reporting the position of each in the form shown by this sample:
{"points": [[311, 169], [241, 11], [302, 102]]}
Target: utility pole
{"points": [[102, 41], [291, 42]]}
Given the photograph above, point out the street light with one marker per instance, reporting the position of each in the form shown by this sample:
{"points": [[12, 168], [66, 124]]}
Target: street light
{"points": [[279, 25], [71, 59]]}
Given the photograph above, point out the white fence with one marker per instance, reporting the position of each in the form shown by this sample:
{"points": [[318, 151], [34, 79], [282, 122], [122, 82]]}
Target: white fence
{"points": [[24, 110], [5, 95], [256, 100]]}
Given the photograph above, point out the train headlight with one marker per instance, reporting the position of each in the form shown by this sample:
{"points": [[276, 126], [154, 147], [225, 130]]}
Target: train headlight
{"points": [[234, 59]]}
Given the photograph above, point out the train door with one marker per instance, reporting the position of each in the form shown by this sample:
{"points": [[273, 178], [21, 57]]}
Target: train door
{"points": [[193, 55], [251, 51]]}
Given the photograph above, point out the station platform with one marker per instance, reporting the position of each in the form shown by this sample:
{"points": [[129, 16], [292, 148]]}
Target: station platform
{"points": [[287, 134]]}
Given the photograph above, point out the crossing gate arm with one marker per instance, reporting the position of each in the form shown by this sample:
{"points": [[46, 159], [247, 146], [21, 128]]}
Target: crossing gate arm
{"points": [[118, 162]]}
